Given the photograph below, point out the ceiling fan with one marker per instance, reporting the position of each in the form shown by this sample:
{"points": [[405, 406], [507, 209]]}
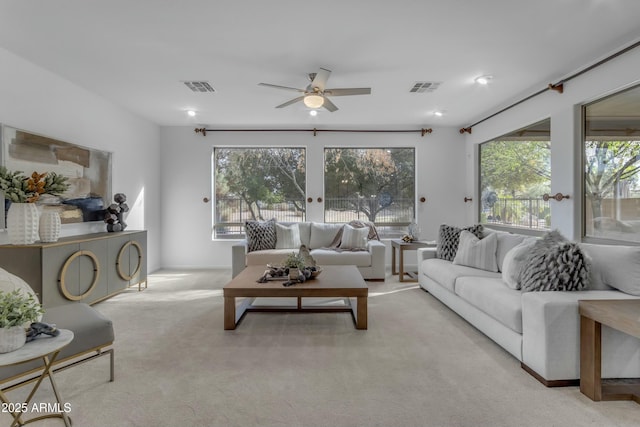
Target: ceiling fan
{"points": [[315, 95]]}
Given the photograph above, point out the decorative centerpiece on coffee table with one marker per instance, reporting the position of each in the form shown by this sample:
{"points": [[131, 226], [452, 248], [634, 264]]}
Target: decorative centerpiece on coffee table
{"points": [[296, 268]]}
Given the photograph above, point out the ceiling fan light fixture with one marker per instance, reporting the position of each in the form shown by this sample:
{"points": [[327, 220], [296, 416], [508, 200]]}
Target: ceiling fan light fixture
{"points": [[313, 101]]}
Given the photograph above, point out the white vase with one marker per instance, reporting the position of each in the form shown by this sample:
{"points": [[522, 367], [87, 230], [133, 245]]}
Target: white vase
{"points": [[12, 338], [22, 223], [49, 226]]}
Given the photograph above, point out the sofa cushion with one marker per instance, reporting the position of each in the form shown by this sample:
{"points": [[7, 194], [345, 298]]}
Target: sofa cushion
{"points": [[494, 298], [305, 233], [554, 264], [271, 256], [614, 266], [331, 257], [287, 236], [478, 253], [322, 234], [449, 238], [261, 235], [445, 272], [514, 262], [354, 238], [506, 242]]}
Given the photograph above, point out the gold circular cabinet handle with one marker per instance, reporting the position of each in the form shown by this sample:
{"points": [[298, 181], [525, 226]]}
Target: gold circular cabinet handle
{"points": [[121, 273], [63, 275]]}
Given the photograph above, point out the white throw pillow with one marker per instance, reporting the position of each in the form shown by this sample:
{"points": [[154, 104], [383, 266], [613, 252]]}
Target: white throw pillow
{"points": [[477, 253], [514, 261], [287, 237], [354, 238], [615, 266]]}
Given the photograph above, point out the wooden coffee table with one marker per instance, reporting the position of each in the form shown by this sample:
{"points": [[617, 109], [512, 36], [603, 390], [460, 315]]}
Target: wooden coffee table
{"points": [[343, 281]]}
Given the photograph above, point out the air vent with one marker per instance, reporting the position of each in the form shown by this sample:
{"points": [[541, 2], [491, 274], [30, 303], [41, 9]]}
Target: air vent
{"points": [[421, 87], [200, 87]]}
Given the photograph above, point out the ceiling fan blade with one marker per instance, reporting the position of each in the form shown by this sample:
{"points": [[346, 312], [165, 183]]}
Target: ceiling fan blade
{"points": [[320, 80], [281, 87], [349, 91], [293, 101], [329, 105]]}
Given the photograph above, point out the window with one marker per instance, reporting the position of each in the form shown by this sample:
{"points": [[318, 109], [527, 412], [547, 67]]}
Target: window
{"points": [[257, 184], [612, 161], [515, 171], [370, 184]]}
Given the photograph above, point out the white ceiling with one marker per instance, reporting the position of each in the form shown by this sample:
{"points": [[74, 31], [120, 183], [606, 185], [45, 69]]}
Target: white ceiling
{"points": [[136, 53]]}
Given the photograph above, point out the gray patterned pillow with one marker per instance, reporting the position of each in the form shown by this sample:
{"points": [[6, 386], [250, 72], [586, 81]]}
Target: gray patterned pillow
{"points": [[261, 235], [554, 264], [449, 238]]}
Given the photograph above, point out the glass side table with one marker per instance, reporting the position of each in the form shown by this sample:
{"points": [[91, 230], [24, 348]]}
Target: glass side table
{"points": [[47, 349], [399, 246]]}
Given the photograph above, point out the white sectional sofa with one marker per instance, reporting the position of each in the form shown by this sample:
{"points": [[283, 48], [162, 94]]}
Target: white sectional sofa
{"points": [[540, 329], [318, 237]]}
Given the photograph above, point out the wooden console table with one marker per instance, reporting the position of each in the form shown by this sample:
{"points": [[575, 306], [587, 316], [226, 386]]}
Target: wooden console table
{"points": [[622, 315]]}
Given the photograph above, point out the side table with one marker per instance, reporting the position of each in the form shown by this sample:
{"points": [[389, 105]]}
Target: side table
{"points": [[46, 349], [622, 315], [400, 246]]}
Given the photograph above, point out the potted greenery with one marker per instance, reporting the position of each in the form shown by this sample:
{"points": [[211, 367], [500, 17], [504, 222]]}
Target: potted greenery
{"points": [[295, 263], [17, 311]]}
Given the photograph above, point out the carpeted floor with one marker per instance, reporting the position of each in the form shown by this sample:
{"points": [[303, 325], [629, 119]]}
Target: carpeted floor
{"points": [[418, 364]]}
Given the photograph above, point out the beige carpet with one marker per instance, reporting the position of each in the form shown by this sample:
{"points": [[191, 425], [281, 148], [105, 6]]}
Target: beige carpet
{"points": [[418, 364]]}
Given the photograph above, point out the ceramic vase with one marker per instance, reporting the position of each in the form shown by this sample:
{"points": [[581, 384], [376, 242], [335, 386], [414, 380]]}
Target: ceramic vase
{"points": [[12, 338], [22, 223], [49, 226]]}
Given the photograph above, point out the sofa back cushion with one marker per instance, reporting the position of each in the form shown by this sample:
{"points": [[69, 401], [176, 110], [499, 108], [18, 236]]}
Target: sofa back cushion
{"points": [[506, 242], [614, 267], [323, 234], [514, 262]]}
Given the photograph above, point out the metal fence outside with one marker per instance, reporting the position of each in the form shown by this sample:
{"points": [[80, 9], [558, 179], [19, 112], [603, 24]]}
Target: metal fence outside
{"points": [[530, 213]]}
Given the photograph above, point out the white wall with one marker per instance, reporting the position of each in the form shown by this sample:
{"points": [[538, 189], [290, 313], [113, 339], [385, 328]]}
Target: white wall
{"points": [[186, 180], [38, 101], [564, 111]]}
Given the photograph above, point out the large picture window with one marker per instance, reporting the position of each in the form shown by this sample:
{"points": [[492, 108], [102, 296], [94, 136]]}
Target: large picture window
{"points": [[371, 184], [515, 171], [257, 184], [612, 162]]}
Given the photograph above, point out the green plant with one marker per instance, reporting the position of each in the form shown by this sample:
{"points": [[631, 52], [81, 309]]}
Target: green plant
{"points": [[17, 308], [294, 260], [23, 189]]}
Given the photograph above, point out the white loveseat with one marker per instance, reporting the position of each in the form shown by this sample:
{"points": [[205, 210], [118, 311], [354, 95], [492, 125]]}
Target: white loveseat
{"points": [[540, 329], [318, 237]]}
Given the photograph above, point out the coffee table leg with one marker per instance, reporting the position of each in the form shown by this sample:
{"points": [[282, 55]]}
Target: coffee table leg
{"points": [[590, 358], [361, 319], [229, 313], [393, 260]]}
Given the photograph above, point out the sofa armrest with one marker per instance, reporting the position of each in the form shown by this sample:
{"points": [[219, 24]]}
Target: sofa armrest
{"points": [[238, 257], [551, 336], [377, 249], [424, 254]]}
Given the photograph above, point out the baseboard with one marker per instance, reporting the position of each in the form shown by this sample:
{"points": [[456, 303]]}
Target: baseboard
{"points": [[547, 383]]}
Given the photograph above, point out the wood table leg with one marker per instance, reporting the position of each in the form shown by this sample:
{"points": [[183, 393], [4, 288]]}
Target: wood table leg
{"points": [[590, 358], [361, 309], [401, 268], [229, 313], [393, 260]]}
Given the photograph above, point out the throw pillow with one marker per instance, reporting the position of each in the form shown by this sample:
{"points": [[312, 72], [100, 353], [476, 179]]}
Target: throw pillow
{"points": [[514, 262], [449, 238], [323, 234], [287, 237], [261, 235], [554, 264], [354, 238], [477, 253]]}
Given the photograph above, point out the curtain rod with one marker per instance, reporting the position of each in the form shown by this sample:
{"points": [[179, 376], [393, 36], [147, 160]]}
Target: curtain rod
{"points": [[559, 86], [315, 131]]}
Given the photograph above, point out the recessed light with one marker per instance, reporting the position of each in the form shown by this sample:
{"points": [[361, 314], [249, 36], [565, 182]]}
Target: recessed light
{"points": [[483, 80], [438, 113], [191, 113], [313, 113]]}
